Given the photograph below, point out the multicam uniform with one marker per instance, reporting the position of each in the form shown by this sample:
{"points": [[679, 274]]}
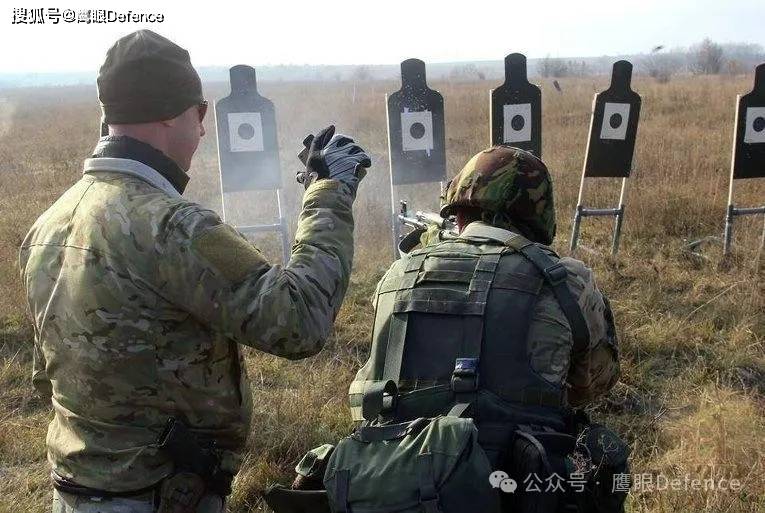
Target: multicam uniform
{"points": [[139, 299]]}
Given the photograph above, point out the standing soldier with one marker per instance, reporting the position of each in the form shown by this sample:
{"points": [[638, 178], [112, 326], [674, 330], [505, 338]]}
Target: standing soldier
{"points": [[493, 325], [139, 297]]}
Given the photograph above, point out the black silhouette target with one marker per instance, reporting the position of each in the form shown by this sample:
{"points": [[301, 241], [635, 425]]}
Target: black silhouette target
{"points": [[516, 109], [416, 132], [247, 138], [749, 146], [615, 116]]}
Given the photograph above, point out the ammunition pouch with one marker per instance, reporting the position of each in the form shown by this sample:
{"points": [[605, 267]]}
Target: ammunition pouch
{"points": [[609, 456], [538, 462], [566, 472]]}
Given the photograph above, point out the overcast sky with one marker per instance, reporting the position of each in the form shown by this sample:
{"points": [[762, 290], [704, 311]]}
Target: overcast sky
{"points": [[381, 31]]}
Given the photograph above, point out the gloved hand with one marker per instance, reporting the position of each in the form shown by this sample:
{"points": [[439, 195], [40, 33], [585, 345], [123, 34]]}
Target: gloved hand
{"points": [[335, 156]]}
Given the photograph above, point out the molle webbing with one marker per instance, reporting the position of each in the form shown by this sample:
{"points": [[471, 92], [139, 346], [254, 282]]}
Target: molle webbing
{"points": [[470, 304], [442, 292], [554, 272]]}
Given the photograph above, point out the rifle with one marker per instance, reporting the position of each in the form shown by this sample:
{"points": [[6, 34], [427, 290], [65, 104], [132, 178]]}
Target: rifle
{"points": [[420, 223]]}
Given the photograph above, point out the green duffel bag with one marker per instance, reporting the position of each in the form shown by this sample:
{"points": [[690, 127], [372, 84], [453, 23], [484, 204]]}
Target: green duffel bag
{"points": [[423, 466]]}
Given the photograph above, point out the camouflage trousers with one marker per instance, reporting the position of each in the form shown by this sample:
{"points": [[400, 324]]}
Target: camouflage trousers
{"points": [[68, 503]]}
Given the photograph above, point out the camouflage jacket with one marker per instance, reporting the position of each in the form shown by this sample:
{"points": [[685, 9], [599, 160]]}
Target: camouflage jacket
{"points": [[139, 299], [584, 375]]}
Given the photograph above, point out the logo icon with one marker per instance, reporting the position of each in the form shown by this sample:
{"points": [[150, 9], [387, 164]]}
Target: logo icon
{"points": [[496, 478], [501, 480], [508, 485]]}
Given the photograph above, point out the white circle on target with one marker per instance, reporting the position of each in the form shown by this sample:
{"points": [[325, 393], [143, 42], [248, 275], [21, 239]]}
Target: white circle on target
{"points": [[755, 125], [417, 130], [245, 131], [517, 123], [615, 121]]}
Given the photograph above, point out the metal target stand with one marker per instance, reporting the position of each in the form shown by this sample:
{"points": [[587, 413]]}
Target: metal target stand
{"points": [[582, 211], [280, 226], [414, 158], [610, 147], [733, 211], [249, 159], [747, 160]]}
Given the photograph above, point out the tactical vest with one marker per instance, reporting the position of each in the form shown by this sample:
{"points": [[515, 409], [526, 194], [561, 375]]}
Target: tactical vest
{"points": [[451, 329], [450, 337]]}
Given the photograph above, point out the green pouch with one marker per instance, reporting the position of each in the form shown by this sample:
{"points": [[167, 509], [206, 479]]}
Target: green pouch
{"points": [[286, 500], [310, 470], [432, 465], [307, 494]]}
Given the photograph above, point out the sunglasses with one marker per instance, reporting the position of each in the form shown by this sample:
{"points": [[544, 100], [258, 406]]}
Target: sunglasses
{"points": [[202, 110]]}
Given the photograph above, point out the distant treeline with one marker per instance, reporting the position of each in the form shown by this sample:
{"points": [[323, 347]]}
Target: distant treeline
{"points": [[706, 57]]}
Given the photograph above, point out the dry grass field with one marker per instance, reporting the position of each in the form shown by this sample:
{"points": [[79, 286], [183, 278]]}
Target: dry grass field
{"points": [[692, 327]]}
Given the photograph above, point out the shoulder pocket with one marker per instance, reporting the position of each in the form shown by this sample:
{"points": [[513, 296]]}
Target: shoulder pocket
{"points": [[229, 253]]}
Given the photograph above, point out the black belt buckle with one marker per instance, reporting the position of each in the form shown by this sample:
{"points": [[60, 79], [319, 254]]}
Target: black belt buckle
{"points": [[465, 375]]}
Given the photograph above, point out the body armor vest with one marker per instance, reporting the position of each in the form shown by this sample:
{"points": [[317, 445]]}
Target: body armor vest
{"points": [[451, 327]]}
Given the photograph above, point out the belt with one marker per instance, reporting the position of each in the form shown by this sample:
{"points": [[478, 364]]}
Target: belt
{"points": [[64, 485]]}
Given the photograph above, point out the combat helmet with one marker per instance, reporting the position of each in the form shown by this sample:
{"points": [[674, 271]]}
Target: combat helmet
{"points": [[510, 187]]}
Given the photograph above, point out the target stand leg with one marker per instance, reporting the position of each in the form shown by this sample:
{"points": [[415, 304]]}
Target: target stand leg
{"points": [[734, 212], [598, 212], [728, 234], [617, 229], [280, 227], [394, 226], [619, 218], [575, 229], [582, 211], [283, 230]]}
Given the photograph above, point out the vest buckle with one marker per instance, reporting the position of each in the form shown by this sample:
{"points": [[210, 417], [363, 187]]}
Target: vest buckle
{"points": [[556, 273], [465, 375]]}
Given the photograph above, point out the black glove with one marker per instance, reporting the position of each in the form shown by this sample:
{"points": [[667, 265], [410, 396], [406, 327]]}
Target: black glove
{"points": [[335, 156]]}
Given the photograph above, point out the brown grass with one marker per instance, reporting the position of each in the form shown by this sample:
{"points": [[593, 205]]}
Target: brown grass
{"points": [[690, 400]]}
